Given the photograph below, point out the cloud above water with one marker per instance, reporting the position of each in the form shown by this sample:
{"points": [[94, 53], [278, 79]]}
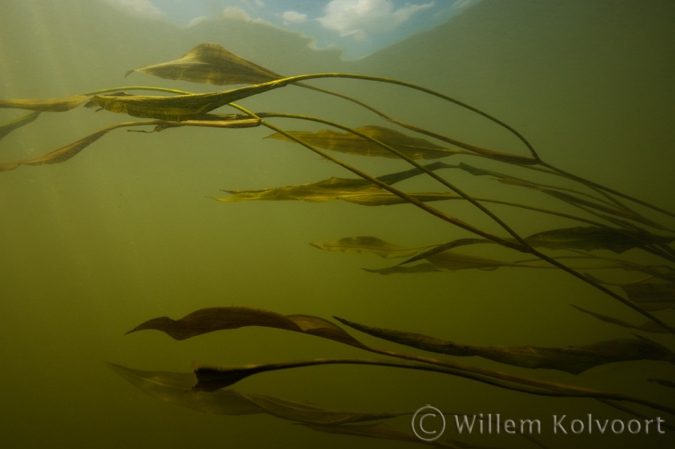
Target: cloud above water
{"points": [[357, 27], [356, 18], [137, 7]]}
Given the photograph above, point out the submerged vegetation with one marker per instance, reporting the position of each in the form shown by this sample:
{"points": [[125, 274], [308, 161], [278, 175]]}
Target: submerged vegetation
{"points": [[616, 226]]}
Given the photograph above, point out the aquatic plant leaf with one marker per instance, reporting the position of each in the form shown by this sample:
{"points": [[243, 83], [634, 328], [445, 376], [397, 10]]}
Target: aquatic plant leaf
{"points": [[364, 196], [440, 261], [64, 153], [572, 359], [176, 388], [180, 107], [665, 383], [367, 244], [398, 269], [351, 143], [219, 318], [594, 237], [651, 296], [67, 152], [331, 189], [649, 326], [383, 198], [213, 64], [319, 192], [212, 378], [452, 261], [381, 430], [18, 123], [46, 105]]}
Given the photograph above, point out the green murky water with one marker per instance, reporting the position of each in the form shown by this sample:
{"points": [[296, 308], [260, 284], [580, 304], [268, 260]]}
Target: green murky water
{"points": [[125, 231]]}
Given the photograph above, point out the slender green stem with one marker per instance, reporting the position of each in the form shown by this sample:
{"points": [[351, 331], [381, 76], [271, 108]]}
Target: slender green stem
{"points": [[607, 189], [522, 246], [431, 92], [391, 189], [412, 162]]}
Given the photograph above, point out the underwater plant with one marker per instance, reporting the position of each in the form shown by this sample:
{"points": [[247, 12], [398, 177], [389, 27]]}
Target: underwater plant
{"points": [[617, 226]]}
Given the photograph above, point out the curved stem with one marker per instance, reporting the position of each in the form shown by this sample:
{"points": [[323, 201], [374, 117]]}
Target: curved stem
{"points": [[412, 162], [385, 186], [521, 246]]}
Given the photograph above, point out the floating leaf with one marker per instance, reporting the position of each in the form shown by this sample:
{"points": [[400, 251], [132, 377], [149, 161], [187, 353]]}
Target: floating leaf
{"points": [[572, 359], [649, 326], [351, 143], [369, 245], [177, 389], [213, 64], [18, 123], [651, 296], [46, 105]]}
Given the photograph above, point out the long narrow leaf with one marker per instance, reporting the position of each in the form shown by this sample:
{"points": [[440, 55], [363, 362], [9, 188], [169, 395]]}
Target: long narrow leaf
{"points": [[572, 359], [176, 388]]}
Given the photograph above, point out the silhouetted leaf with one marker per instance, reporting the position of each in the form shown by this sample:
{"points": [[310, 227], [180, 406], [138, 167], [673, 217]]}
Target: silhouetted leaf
{"points": [[177, 389], [213, 64], [572, 359], [350, 143], [649, 326], [212, 378], [18, 123], [651, 296], [46, 105], [594, 237], [220, 318]]}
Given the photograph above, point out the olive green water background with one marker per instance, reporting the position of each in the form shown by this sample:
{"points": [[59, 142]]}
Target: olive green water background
{"points": [[124, 232]]}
